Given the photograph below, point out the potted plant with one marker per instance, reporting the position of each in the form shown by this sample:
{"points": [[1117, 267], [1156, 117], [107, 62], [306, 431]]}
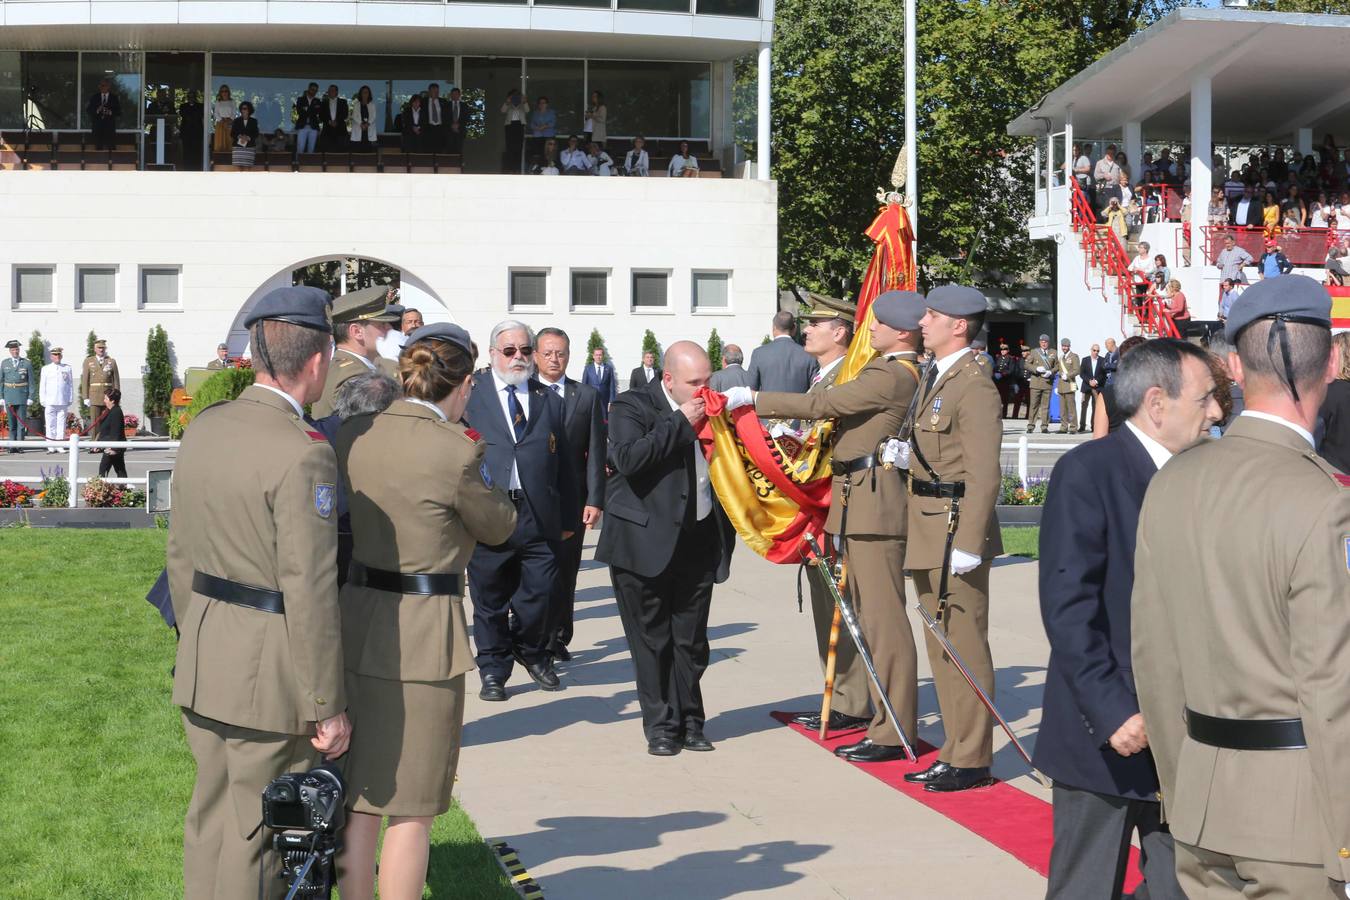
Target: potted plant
{"points": [[74, 424], [158, 378], [101, 494], [55, 493], [130, 425], [14, 495]]}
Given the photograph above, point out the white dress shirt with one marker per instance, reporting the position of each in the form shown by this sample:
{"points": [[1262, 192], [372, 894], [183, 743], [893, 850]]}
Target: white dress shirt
{"points": [[433, 111], [440, 413], [647, 374], [702, 486], [948, 361], [370, 366], [575, 160], [1156, 451], [826, 369], [523, 395], [1297, 429], [557, 387], [295, 404]]}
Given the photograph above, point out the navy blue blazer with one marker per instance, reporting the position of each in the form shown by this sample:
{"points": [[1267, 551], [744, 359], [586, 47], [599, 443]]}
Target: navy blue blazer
{"points": [[1087, 546], [541, 457], [606, 384]]}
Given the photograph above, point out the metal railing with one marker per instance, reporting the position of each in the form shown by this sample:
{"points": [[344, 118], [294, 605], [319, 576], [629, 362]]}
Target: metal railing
{"points": [[1301, 246], [1024, 448], [72, 446]]}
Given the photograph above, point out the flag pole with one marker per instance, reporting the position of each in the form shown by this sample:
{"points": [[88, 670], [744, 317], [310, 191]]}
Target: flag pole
{"points": [[911, 137]]}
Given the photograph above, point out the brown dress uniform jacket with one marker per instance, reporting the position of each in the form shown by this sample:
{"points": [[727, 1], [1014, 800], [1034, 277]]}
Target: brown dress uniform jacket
{"points": [[96, 377], [868, 409], [344, 365], [1036, 358], [423, 516], [958, 430], [1248, 620], [1067, 368], [255, 502]]}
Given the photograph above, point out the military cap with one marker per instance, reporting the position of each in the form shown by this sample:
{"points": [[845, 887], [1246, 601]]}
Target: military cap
{"points": [[900, 310], [1289, 298], [366, 305], [222, 346], [308, 307], [100, 343], [11, 345], [957, 300], [1064, 342], [440, 331], [823, 308], [57, 351], [1044, 337]]}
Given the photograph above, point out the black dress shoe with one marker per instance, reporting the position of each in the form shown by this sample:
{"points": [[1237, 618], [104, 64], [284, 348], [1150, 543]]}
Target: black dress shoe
{"points": [[838, 721], [663, 746], [694, 740], [560, 653], [544, 676], [845, 749], [868, 752], [955, 779], [493, 689], [936, 770]]}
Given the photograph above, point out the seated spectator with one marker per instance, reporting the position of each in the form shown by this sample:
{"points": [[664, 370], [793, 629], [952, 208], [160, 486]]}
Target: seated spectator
{"points": [[414, 126], [1293, 210], [1161, 273], [1273, 262], [574, 159], [601, 162], [635, 162], [277, 142], [244, 134], [683, 164], [1175, 306], [548, 164], [1270, 214], [1336, 265], [1317, 214], [1141, 270]]}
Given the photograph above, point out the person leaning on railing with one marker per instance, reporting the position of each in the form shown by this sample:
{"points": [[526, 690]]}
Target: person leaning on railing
{"points": [[1175, 307]]}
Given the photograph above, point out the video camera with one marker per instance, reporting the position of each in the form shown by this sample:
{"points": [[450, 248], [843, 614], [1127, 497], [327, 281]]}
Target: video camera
{"points": [[305, 810]]}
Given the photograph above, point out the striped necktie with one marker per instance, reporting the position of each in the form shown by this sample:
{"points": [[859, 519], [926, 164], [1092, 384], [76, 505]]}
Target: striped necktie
{"points": [[517, 411]]}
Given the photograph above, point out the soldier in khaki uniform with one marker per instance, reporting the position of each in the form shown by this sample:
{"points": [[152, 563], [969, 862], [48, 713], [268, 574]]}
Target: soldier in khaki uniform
{"points": [[404, 634], [1040, 370], [955, 462], [1067, 368], [252, 571], [222, 360], [1239, 633], [98, 373], [360, 320], [867, 507]]}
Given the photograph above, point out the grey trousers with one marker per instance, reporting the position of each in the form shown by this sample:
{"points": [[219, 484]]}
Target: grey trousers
{"points": [[1092, 848]]}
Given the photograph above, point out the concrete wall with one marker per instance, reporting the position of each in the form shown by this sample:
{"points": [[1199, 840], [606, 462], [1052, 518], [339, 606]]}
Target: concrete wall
{"points": [[455, 239]]}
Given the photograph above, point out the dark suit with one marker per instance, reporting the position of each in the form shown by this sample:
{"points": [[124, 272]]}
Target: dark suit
{"points": [[603, 381], [456, 113], [729, 377], [1254, 213], [103, 110], [1112, 360], [1087, 551], [1090, 370], [434, 136], [517, 576], [584, 421], [781, 365], [333, 135], [309, 112], [663, 560], [414, 127], [639, 377]]}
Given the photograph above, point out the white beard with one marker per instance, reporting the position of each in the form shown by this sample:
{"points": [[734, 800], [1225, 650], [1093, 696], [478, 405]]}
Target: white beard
{"points": [[514, 376]]}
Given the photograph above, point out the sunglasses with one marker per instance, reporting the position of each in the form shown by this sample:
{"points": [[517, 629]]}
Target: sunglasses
{"points": [[509, 352]]}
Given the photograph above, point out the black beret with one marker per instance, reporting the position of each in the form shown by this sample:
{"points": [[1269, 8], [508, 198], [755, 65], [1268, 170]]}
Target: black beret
{"points": [[900, 310], [308, 307], [957, 300], [1294, 298], [440, 331]]}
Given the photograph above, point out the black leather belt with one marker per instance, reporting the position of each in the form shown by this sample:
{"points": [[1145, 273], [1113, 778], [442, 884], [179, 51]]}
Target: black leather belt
{"points": [[239, 594], [1246, 734], [401, 583], [921, 488], [860, 464]]}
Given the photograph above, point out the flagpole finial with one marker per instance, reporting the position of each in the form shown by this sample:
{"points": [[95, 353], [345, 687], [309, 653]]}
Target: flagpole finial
{"points": [[899, 178]]}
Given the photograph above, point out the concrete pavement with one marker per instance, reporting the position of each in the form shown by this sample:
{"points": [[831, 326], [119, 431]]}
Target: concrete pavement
{"points": [[565, 778]]}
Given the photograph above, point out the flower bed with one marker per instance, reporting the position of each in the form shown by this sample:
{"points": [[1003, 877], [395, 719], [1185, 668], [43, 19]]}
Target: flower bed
{"points": [[101, 494], [1013, 493], [13, 494]]}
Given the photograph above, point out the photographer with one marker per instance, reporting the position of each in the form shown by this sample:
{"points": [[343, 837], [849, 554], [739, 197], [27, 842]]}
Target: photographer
{"points": [[414, 528], [252, 573]]}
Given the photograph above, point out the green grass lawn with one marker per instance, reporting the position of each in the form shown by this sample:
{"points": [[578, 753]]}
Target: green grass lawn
{"points": [[1022, 541], [94, 770]]}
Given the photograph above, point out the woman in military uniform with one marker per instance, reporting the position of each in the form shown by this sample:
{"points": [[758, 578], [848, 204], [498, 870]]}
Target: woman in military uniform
{"points": [[405, 640]]}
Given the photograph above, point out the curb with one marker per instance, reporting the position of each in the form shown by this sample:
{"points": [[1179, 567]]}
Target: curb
{"points": [[521, 879], [80, 517]]}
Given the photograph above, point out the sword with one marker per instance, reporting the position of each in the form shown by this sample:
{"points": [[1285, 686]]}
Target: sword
{"points": [[817, 559], [941, 637]]}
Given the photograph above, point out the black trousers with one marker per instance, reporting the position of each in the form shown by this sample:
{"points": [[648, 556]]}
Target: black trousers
{"points": [[665, 620], [332, 139], [1092, 848], [104, 131], [563, 602], [515, 146], [117, 460], [514, 579]]}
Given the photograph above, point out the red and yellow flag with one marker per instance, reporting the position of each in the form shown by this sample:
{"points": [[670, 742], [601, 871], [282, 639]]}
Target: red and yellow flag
{"points": [[1340, 306], [776, 491]]}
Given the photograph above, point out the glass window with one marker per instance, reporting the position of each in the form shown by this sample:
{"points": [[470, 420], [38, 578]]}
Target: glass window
{"points": [[271, 82], [681, 6], [33, 286], [729, 8], [96, 286], [563, 82], [655, 99], [159, 287], [53, 101], [529, 289], [123, 71], [590, 290], [712, 291], [649, 290]]}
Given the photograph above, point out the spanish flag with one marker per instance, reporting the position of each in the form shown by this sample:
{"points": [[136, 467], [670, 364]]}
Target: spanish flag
{"points": [[1340, 306]]}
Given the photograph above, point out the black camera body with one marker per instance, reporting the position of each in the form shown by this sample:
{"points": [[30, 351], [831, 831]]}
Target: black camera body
{"points": [[306, 812]]}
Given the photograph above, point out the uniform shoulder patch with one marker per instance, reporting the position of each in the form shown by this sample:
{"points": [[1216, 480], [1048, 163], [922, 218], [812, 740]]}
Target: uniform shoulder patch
{"points": [[485, 474], [324, 496], [315, 435], [472, 435], [1344, 480]]}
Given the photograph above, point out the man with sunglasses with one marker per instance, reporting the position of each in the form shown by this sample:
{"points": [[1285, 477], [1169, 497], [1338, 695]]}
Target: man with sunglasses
{"points": [[522, 425]]}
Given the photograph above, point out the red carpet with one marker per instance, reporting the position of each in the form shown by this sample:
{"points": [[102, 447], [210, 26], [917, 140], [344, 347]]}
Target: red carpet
{"points": [[1010, 819]]}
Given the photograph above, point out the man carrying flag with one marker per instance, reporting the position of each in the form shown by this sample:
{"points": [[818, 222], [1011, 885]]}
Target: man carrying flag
{"points": [[867, 508]]}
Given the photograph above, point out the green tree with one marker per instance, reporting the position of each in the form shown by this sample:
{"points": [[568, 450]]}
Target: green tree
{"points": [[715, 350], [37, 358], [651, 345], [159, 373], [89, 344], [593, 342]]}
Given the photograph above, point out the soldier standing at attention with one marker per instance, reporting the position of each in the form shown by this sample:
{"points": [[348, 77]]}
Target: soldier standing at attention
{"points": [[1239, 633], [867, 505], [1040, 370], [1067, 368], [222, 360], [259, 671], [17, 391], [954, 480], [403, 625], [98, 373], [360, 320]]}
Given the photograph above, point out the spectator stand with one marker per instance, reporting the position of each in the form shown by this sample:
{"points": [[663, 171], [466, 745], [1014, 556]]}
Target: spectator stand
{"points": [[66, 151]]}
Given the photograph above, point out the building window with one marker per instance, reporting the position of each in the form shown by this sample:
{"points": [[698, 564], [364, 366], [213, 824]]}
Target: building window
{"points": [[96, 287], [529, 289], [650, 291], [655, 99], [712, 291], [159, 288], [34, 287], [590, 289]]}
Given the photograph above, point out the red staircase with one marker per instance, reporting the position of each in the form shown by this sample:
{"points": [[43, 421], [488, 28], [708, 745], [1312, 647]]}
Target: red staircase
{"points": [[1106, 268]]}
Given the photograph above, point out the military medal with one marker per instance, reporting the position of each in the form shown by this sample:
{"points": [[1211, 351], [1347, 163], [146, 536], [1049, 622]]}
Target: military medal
{"points": [[937, 408], [552, 443]]}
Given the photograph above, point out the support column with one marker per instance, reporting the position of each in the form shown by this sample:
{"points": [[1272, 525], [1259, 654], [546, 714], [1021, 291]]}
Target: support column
{"points": [[1304, 141], [911, 120], [1202, 155], [1133, 139], [765, 112]]}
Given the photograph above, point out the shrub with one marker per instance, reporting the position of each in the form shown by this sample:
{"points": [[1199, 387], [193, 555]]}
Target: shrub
{"points": [[594, 341], [55, 490], [101, 494], [37, 358], [224, 385], [158, 374], [651, 345], [1013, 493], [715, 349], [89, 344]]}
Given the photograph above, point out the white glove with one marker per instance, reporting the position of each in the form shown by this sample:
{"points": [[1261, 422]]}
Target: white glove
{"points": [[739, 396], [896, 453], [86, 403], [1042, 370], [963, 562]]}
